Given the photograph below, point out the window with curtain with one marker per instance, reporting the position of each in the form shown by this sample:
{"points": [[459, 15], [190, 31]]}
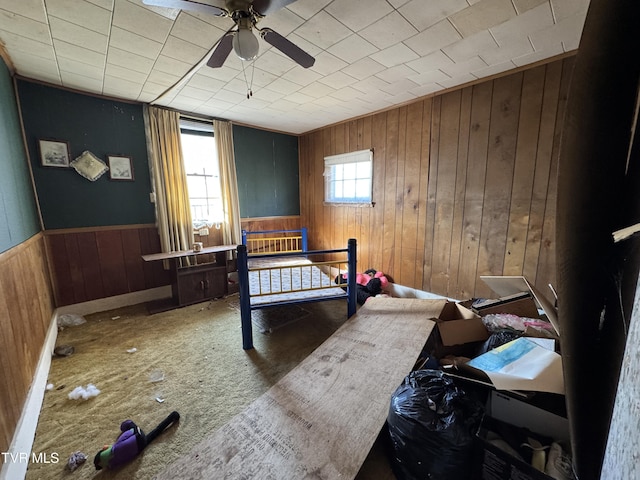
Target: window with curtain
{"points": [[201, 164]]}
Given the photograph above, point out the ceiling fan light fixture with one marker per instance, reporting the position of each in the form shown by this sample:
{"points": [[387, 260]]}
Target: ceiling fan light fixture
{"points": [[245, 44]]}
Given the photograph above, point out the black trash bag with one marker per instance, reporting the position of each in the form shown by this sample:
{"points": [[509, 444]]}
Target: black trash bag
{"points": [[499, 338], [432, 425]]}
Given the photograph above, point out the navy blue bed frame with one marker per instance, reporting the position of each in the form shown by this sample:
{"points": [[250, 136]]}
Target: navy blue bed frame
{"points": [[243, 279]]}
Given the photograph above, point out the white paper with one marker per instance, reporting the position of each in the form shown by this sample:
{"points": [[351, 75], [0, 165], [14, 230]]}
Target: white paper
{"points": [[522, 365]]}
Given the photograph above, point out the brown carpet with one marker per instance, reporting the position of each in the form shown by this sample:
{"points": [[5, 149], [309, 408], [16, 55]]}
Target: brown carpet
{"points": [[206, 376]]}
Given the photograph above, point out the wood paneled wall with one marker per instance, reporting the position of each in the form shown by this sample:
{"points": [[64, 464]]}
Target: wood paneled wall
{"points": [[92, 263], [464, 184], [26, 308]]}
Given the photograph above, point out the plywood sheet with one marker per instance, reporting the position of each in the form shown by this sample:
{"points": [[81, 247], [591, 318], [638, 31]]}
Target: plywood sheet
{"points": [[322, 418]]}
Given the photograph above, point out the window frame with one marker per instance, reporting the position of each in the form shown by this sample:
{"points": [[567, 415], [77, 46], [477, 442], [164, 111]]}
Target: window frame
{"points": [[356, 157]]}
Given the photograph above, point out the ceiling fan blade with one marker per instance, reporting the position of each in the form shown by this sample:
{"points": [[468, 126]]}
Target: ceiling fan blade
{"points": [[290, 49], [222, 51], [265, 7], [189, 6]]}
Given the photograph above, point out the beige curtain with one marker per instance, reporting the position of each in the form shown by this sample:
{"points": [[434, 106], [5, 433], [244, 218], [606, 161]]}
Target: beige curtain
{"points": [[231, 231], [168, 178]]}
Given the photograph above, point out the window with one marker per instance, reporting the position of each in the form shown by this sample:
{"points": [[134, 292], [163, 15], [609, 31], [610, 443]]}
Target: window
{"points": [[203, 174], [348, 177]]}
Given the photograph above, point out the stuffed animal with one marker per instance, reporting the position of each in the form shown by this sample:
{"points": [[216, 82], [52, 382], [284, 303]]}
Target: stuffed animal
{"points": [[368, 284], [130, 443]]}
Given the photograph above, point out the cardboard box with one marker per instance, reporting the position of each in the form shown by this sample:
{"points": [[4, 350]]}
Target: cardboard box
{"points": [[505, 286], [458, 331], [520, 304], [498, 464]]}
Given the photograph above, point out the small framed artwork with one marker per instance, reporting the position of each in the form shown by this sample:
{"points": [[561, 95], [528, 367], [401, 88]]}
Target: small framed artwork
{"points": [[54, 153], [120, 167]]}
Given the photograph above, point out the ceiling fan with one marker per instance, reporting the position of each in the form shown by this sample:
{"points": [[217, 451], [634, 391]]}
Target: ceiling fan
{"points": [[240, 38]]}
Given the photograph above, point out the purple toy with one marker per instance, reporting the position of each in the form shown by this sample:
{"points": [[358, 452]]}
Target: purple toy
{"points": [[130, 443]]}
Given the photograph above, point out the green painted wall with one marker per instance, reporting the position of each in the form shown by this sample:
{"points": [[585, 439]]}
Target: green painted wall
{"points": [[267, 170], [102, 126], [18, 211]]}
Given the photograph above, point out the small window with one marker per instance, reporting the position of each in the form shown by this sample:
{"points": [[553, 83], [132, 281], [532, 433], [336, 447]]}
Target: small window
{"points": [[200, 158], [348, 177]]}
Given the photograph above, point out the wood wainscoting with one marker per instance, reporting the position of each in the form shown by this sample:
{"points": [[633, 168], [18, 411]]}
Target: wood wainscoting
{"points": [[464, 184], [26, 309], [99, 262]]}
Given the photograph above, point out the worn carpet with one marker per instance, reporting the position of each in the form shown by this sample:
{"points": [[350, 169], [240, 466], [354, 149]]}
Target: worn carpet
{"points": [[145, 366]]}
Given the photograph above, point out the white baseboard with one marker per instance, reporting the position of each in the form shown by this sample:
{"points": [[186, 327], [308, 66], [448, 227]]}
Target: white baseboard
{"points": [[22, 443], [118, 301]]}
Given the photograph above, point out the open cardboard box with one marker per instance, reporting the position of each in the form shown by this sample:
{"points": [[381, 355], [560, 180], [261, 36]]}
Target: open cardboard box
{"points": [[458, 331], [511, 288]]}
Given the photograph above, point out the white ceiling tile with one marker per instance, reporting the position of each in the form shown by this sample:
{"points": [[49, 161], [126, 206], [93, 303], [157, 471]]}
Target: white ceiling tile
{"points": [[433, 38], [146, 97], [567, 8], [323, 30], [230, 96], [337, 80], [196, 93], [264, 93], [567, 31], [459, 80], [73, 80], [283, 21], [163, 78], [326, 64], [363, 68], [398, 3], [33, 9], [423, 14], [352, 48], [399, 86], [482, 15], [529, 22], [257, 77], [402, 97], [539, 55], [238, 86], [395, 55], [184, 51], [459, 69], [153, 89], [141, 21], [358, 14], [106, 4], [370, 85], [297, 97], [470, 46], [430, 62], [302, 76], [195, 31], [346, 93], [307, 8], [274, 63], [185, 104], [171, 66], [76, 52], [222, 74], [82, 13], [79, 68], [426, 89], [24, 26], [129, 41], [26, 46], [129, 60], [494, 69], [42, 66], [205, 83], [283, 86], [524, 5], [427, 78], [317, 90], [388, 31], [516, 47], [76, 34], [125, 73]]}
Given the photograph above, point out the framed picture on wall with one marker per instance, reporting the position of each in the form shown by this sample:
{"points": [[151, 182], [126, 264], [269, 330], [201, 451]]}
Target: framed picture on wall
{"points": [[120, 167], [54, 153]]}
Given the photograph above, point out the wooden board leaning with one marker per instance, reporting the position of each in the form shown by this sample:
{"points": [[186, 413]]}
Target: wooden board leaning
{"points": [[323, 417]]}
